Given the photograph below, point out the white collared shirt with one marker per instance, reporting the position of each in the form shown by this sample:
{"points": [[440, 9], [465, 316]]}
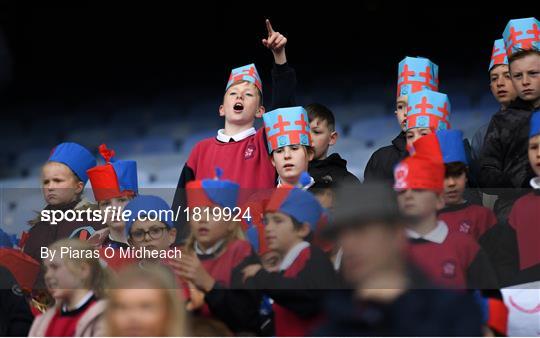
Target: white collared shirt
{"points": [[437, 235], [291, 256], [535, 182], [306, 187], [114, 240], [80, 304], [222, 137], [210, 251]]}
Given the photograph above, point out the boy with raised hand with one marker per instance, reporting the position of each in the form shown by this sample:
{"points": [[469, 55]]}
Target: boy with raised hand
{"points": [[503, 163], [321, 119], [414, 74], [238, 148], [283, 75]]}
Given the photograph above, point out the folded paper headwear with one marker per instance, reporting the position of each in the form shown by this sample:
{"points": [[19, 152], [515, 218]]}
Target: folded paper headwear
{"points": [[498, 54], [521, 34], [75, 156], [286, 126], [445, 145], [115, 178], [415, 74], [245, 73], [213, 192], [419, 172], [297, 203], [428, 109]]}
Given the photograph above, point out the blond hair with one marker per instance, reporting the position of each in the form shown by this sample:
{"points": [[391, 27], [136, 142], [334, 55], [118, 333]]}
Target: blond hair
{"points": [[155, 277], [97, 278], [235, 234]]}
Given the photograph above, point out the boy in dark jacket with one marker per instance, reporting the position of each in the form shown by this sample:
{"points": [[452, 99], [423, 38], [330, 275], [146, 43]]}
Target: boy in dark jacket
{"points": [[387, 296], [305, 273], [323, 135], [500, 84], [414, 74], [503, 163]]}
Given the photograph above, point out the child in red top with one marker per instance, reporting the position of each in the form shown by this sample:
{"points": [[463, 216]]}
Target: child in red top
{"points": [[215, 254], [523, 218], [459, 214], [76, 285], [451, 259], [305, 272]]}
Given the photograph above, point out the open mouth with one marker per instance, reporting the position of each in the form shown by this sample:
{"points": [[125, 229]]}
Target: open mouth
{"points": [[238, 107], [288, 166], [527, 91], [502, 92]]}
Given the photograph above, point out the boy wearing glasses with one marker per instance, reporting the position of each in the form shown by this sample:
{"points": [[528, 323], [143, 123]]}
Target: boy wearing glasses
{"points": [[150, 224]]}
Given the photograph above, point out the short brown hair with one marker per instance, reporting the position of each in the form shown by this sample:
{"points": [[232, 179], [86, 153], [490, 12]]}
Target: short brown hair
{"points": [[455, 169], [521, 53], [321, 112]]}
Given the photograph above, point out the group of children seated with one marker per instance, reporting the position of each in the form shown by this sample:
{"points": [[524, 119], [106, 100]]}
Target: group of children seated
{"points": [[292, 244]]}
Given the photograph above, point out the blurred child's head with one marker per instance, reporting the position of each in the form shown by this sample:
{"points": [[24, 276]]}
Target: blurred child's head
{"points": [[322, 127], [525, 72], [114, 184], [150, 223], [291, 161], [419, 181], [145, 302], [414, 74], [289, 142], [370, 233], [500, 81], [455, 182], [220, 198], [242, 102], [117, 204], [323, 190], [66, 275], [534, 143], [63, 176], [290, 217], [419, 204]]}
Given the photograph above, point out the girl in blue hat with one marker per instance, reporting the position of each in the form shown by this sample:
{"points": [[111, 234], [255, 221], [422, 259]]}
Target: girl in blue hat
{"points": [[63, 178]]}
